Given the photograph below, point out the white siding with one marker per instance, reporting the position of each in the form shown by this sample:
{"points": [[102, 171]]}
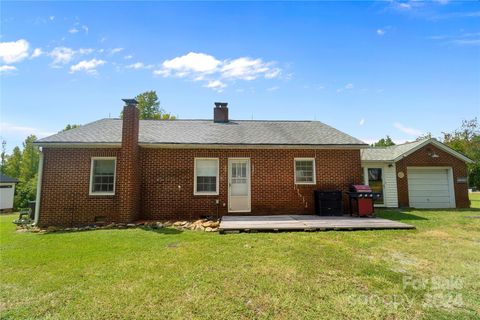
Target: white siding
{"points": [[389, 181], [6, 195]]}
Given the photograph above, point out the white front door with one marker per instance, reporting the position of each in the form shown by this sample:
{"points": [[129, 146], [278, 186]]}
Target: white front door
{"points": [[239, 185]]}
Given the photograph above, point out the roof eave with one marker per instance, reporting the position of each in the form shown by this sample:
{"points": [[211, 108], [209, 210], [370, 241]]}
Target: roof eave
{"points": [[440, 146], [58, 144], [251, 146]]}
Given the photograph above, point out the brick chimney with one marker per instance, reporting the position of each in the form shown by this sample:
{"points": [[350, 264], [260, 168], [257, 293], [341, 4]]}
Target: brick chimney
{"points": [[220, 112], [128, 172]]}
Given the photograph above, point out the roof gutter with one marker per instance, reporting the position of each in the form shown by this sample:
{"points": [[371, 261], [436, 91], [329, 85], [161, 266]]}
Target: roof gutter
{"points": [[250, 146], [78, 144]]}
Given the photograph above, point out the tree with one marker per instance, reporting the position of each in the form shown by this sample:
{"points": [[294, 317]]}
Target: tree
{"points": [[466, 140], [424, 136], [13, 163], [30, 159], [3, 156], [70, 126], [384, 142], [23, 165], [149, 107]]}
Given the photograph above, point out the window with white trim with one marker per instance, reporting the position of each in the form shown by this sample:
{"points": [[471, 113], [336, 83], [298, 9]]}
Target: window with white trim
{"points": [[206, 176], [305, 171], [102, 176]]}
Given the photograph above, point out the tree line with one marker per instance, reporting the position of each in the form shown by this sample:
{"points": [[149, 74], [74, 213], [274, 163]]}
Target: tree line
{"points": [[22, 163], [465, 140]]}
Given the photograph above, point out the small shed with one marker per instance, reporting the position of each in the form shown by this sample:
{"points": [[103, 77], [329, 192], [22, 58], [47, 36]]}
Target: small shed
{"points": [[7, 192]]}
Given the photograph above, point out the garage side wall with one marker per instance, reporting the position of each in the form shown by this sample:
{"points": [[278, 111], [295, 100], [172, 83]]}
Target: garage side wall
{"points": [[423, 158]]}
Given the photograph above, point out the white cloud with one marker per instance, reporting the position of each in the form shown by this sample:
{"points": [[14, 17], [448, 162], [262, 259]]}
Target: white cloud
{"points": [[73, 30], [62, 55], [248, 69], [7, 69], [14, 51], [85, 28], [51, 18], [36, 53], [381, 32], [139, 65], [89, 66], [216, 85], [274, 88], [85, 50], [128, 57], [362, 121], [407, 130], [466, 42], [349, 86], [8, 128], [191, 62], [204, 67], [462, 39], [116, 50], [161, 72], [404, 5]]}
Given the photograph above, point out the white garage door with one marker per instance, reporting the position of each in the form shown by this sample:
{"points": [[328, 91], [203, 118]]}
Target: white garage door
{"points": [[430, 188]]}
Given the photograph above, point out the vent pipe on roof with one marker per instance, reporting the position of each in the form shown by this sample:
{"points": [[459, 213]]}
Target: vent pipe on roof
{"points": [[220, 112]]}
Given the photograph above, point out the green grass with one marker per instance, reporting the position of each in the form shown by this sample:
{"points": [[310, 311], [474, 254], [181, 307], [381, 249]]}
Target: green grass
{"points": [[134, 273]]}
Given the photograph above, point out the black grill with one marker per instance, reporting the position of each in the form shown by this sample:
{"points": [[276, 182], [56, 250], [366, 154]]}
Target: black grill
{"points": [[328, 203]]}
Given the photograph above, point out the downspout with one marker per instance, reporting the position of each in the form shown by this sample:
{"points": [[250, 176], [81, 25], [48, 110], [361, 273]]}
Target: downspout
{"points": [[39, 188]]}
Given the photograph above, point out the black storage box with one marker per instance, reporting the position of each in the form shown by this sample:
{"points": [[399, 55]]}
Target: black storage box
{"points": [[328, 203]]}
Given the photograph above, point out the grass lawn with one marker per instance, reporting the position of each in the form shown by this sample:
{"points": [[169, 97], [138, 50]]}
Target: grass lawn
{"points": [[429, 273]]}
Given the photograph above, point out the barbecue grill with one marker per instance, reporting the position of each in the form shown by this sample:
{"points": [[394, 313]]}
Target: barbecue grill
{"points": [[363, 197]]}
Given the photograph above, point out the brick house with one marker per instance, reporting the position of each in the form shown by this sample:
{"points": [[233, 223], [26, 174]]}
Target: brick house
{"points": [[128, 169]]}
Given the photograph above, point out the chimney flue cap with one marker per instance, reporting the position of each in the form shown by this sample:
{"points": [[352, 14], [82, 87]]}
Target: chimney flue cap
{"points": [[130, 102], [221, 104]]}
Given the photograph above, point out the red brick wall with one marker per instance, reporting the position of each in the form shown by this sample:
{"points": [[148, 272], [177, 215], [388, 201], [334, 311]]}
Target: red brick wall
{"points": [[421, 158], [128, 170], [65, 198], [168, 179]]}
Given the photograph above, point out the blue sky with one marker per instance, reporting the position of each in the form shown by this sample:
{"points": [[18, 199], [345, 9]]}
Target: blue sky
{"points": [[367, 68]]}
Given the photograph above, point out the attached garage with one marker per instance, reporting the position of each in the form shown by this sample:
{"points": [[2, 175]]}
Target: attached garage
{"points": [[419, 174], [430, 187]]}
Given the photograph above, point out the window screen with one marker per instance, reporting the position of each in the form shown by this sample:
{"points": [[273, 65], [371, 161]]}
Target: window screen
{"points": [[304, 171], [103, 176], [206, 175]]}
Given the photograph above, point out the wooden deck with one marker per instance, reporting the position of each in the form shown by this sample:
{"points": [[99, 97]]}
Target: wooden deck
{"points": [[305, 223]]}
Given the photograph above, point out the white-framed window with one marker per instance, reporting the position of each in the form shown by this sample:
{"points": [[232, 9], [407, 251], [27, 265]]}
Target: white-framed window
{"points": [[206, 176], [103, 176], [305, 171]]}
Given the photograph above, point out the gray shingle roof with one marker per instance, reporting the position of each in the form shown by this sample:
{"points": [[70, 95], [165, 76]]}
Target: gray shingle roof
{"points": [[241, 132], [389, 153], [393, 153], [7, 179]]}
